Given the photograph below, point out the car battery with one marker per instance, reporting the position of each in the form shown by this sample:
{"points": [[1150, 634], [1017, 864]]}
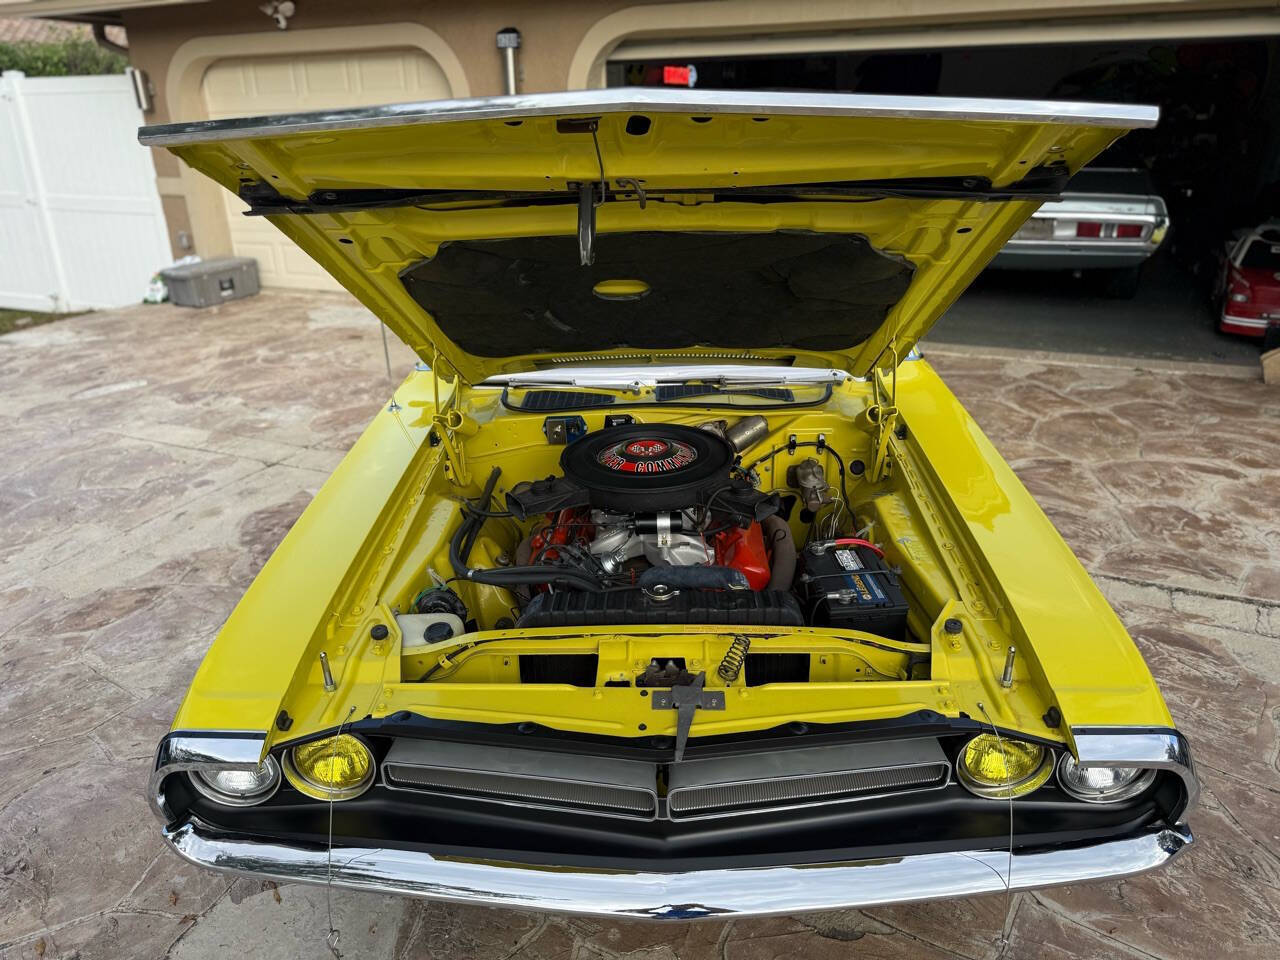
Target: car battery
{"points": [[852, 588], [209, 282]]}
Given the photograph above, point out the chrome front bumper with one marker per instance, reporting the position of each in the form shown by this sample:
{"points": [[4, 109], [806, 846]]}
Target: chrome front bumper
{"points": [[723, 893], [728, 892]]}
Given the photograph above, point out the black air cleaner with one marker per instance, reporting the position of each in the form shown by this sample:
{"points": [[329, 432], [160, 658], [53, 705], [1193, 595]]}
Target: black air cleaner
{"points": [[642, 467]]}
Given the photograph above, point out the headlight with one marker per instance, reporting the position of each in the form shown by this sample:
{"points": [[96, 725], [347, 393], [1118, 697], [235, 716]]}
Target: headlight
{"points": [[238, 788], [1102, 784], [999, 768], [335, 768]]}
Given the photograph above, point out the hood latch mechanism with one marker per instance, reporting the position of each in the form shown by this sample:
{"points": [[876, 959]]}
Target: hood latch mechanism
{"points": [[685, 699]]}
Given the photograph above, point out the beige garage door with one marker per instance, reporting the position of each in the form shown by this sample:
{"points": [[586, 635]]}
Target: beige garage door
{"points": [[257, 85]]}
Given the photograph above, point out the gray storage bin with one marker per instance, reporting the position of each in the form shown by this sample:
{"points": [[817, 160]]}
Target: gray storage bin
{"points": [[212, 281]]}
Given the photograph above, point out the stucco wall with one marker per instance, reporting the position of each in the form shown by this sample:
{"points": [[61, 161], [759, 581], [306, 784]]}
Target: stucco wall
{"points": [[551, 33], [168, 41], [565, 44]]}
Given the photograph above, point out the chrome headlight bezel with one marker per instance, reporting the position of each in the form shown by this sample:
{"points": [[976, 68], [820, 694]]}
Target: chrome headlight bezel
{"points": [[201, 781], [1139, 784]]}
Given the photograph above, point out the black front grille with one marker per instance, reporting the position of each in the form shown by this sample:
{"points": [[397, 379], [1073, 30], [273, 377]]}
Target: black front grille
{"points": [[533, 779], [492, 785], [726, 798]]}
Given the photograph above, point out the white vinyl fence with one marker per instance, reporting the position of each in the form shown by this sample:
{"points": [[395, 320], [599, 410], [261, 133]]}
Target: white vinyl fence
{"points": [[80, 220]]}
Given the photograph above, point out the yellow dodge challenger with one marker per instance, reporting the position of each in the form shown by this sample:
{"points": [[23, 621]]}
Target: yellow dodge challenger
{"points": [[672, 583]]}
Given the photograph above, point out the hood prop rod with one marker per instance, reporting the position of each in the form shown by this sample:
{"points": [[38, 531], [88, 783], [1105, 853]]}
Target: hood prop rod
{"points": [[587, 223], [587, 196]]}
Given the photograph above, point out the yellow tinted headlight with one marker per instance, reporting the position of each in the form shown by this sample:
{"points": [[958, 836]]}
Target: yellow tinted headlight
{"points": [[335, 768], [999, 768]]}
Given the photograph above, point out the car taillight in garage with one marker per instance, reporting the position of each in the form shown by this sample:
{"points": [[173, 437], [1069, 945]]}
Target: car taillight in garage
{"points": [[1094, 229], [1238, 288]]}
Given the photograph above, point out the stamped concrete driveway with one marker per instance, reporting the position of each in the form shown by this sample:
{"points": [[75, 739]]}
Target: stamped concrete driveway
{"points": [[151, 458]]}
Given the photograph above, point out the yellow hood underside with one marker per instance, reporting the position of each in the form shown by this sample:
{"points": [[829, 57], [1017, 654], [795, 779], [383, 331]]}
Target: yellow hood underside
{"points": [[370, 192]]}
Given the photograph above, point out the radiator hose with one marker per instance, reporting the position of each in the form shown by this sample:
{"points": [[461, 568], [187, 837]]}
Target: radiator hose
{"points": [[782, 559], [468, 532]]}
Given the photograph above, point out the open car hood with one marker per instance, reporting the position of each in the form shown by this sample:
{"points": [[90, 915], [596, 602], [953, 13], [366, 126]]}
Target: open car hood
{"points": [[634, 225]]}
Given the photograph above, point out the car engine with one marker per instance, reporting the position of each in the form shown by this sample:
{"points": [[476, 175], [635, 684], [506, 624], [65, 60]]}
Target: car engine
{"points": [[663, 524]]}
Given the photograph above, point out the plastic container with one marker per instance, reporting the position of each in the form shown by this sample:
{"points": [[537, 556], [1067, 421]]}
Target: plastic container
{"points": [[421, 629], [210, 282]]}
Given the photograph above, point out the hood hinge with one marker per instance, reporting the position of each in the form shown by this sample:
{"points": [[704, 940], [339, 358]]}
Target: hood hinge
{"points": [[451, 425], [884, 412]]}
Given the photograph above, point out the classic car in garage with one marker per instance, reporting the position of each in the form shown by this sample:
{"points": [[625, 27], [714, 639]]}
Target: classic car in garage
{"points": [[673, 583], [1107, 223]]}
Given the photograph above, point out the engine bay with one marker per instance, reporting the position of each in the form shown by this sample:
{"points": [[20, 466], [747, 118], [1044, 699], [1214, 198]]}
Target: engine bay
{"points": [[724, 523]]}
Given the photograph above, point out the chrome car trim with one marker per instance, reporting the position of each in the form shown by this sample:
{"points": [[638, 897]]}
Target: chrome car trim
{"points": [[1259, 323], [1085, 246], [1155, 748], [720, 893], [210, 750], [654, 100], [635, 377]]}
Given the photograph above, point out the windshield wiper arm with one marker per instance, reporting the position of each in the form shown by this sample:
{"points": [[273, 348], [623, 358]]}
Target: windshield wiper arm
{"points": [[514, 380], [635, 384], [770, 380]]}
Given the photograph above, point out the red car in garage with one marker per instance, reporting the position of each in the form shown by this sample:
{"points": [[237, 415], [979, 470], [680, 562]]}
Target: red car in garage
{"points": [[1250, 284]]}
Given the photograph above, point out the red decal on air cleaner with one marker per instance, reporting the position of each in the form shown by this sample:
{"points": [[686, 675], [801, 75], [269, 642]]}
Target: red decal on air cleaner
{"points": [[647, 455], [648, 448]]}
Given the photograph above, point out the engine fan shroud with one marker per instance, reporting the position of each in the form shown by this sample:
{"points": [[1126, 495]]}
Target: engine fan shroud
{"points": [[643, 467]]}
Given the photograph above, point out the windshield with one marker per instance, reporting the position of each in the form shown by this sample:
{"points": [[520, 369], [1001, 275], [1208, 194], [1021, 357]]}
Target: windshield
{"points": [[1261, 255]]}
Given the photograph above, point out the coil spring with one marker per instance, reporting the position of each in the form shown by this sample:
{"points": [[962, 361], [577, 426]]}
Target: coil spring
{"points": [[734, 658]]}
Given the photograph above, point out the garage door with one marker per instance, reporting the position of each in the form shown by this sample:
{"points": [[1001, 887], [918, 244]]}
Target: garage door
{"points": [[258, 85]]}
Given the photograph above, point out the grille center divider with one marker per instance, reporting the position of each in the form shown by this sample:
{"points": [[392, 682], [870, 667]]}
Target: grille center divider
{"points": [[696, 789]]}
